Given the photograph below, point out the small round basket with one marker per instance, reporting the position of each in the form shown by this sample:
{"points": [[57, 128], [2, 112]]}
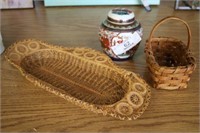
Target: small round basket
{"points": [[169, 60]]}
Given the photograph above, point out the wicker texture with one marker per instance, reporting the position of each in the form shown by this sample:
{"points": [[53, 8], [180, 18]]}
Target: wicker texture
{"points": [[82, 76], [169, 60]]}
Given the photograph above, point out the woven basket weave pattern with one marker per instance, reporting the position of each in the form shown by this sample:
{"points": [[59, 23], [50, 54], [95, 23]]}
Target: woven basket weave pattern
{"points": [[82, 76], [68, 72], [169, 60]]}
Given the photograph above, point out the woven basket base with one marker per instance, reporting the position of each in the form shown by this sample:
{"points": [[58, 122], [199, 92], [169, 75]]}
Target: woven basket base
{"points": [[82, 76]]}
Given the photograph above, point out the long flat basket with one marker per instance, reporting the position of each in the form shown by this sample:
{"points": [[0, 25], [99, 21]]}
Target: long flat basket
{"points": [[83, 76]]}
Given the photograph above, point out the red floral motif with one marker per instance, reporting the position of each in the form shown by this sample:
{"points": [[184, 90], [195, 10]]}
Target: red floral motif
{"points": [[117, 40], [105, 42]]}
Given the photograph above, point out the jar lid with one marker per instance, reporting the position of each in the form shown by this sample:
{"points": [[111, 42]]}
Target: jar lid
{"points": [[135, 26], [121, 16]]}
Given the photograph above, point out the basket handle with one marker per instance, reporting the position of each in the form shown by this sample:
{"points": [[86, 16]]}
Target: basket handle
{"points": [[166, 19]]}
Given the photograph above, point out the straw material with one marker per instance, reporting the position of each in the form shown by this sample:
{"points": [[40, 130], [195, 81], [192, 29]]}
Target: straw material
{"points": [[82, 76], [169, 60]]}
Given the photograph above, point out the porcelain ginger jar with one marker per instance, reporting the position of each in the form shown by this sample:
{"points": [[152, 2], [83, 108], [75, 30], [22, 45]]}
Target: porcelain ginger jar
{"points": [[120, 34]]}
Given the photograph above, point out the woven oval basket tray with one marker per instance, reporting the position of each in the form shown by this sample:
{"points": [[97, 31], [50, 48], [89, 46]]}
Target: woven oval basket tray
{"points": [[83, 76]]}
